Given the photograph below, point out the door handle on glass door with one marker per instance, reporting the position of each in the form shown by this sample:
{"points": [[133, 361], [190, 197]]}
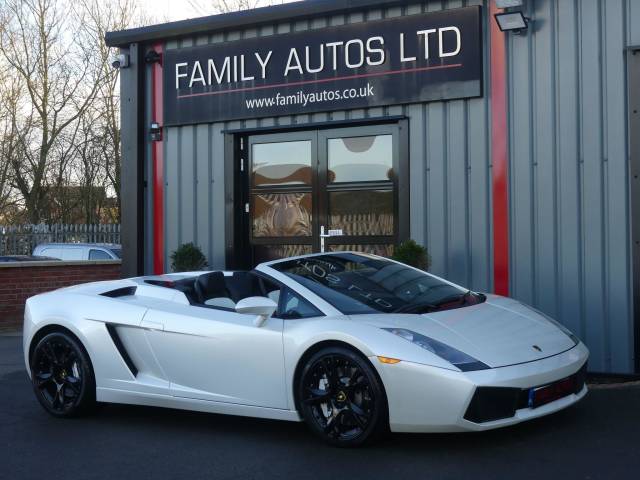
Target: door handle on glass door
{"points": [[332, 233]]}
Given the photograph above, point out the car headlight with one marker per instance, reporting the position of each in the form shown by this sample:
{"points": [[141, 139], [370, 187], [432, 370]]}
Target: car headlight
{"points": [[464, 362]]}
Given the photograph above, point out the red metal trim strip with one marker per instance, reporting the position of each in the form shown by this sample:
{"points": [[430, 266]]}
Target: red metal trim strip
{"points": [[157, 159], [499, 154]]}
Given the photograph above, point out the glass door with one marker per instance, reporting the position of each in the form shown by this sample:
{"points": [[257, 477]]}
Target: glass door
{"points": [[358, 188], [340, 182], [281, 207]]}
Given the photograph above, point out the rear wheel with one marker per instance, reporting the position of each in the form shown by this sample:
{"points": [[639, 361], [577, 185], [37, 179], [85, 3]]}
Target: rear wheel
{"points": [[341, 398], [62, 376]]}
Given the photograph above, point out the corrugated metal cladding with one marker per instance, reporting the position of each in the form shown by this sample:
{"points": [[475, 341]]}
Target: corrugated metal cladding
{"points": [[569, 199], [449, 166], [569, 214]]}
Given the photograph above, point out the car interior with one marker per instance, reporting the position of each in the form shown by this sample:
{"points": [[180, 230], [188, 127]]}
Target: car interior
{"points": [[219, 291], [215, 289]]}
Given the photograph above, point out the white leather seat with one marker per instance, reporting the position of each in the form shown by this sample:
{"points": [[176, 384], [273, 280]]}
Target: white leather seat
{"points": [[223, 302]]}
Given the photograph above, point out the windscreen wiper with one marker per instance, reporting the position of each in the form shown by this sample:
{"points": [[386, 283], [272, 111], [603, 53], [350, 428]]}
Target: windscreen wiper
{"points": [[452, 298], [432, 306], [413, 308]]}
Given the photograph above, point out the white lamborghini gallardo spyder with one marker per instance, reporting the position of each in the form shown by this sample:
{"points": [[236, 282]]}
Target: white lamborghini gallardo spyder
{"points": [[352, 344]]}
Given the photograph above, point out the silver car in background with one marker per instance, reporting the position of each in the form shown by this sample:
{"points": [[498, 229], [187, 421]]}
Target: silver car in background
{"points": [[80, 251]]}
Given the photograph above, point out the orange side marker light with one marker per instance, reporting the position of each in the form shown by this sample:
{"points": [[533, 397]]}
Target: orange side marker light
{"points": [[388, 360]]}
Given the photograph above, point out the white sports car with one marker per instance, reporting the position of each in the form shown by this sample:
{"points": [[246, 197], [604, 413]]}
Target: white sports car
{"points": [[352, 344]]}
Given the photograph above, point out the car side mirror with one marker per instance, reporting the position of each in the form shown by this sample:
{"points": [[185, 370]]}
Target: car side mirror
{"points": [[262, 307]]}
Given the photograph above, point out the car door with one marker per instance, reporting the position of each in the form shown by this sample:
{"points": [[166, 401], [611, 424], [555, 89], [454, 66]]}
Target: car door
{"points": [[219, 355]]}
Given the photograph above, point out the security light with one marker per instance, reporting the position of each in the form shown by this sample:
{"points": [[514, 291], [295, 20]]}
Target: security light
{"points": [[120, 61], [511, 21]]}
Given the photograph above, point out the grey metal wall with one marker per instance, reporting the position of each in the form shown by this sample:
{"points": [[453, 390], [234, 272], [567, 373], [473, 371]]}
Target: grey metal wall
{"points": [[568, 173], [450, 172]]}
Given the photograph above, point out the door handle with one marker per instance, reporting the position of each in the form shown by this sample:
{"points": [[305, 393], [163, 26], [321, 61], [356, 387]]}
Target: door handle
{"points": [[149, 325], [332, 233]]}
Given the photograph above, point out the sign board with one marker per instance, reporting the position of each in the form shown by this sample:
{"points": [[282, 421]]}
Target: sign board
{"points": [[415, 58]]}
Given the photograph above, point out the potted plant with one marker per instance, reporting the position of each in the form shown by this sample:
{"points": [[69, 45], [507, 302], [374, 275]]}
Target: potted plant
{"points": [[412, 253], [187, 258]]}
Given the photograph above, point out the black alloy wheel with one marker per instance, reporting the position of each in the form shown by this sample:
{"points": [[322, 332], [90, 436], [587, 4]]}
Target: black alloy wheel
{"points": [[341, 398], [62, 376]]}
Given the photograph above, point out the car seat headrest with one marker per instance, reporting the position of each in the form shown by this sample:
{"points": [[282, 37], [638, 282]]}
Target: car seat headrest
{"points": [[210, 285]]}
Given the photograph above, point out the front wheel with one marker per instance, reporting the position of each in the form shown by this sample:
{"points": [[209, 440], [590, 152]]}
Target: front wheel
{"points": [[62, 376], [341, 398]]}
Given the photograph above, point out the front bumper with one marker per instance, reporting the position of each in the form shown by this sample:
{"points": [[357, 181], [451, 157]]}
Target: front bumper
{"points": [[423, 398]]}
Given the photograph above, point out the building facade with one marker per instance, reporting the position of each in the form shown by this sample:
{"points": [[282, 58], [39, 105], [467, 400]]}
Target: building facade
{"points": [[512, 156]]}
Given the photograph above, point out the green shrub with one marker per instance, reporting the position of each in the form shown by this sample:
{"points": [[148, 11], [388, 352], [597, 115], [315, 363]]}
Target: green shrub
{"points": [[413, 254], [187, 258]]}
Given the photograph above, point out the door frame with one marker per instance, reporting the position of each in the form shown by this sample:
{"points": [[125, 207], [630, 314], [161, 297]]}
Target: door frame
{"points": [[236, 168]]}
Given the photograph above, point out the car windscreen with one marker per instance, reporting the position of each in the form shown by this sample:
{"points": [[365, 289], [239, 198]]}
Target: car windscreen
{"points": [[356, 284], [117, 252]]}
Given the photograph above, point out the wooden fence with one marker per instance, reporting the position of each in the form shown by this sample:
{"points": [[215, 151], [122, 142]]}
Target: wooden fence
{"points": [[22, 239]]}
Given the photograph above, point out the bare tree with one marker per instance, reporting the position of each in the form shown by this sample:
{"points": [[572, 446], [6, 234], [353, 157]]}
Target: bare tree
{"points": [[9, 95], [10, 147], [56, 69], [209, 7], [59, 112], [103, 130]]}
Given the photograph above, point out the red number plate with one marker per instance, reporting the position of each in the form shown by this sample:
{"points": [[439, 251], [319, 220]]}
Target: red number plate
{"points": [[549, 393]]}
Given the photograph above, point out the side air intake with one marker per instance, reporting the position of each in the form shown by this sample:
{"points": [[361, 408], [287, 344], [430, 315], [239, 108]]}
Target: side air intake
{"points": [[120, 292], [117, 341]]}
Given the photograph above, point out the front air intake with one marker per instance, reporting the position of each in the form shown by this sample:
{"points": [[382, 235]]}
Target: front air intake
{"points": [[492, 403], [497, 403]]}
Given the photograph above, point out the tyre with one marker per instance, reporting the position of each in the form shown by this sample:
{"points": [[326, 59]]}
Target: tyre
{"points": [[62, 376], [341, 398]]}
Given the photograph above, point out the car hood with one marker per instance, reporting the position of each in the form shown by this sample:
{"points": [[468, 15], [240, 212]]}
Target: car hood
{"points": [[498, 332]]}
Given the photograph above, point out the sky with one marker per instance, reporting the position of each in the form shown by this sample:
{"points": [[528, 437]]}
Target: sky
{"points": [[172, 10], [169, 9]]}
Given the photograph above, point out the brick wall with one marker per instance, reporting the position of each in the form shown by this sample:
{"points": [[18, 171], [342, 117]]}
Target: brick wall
{"points": [[21, 280]]}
